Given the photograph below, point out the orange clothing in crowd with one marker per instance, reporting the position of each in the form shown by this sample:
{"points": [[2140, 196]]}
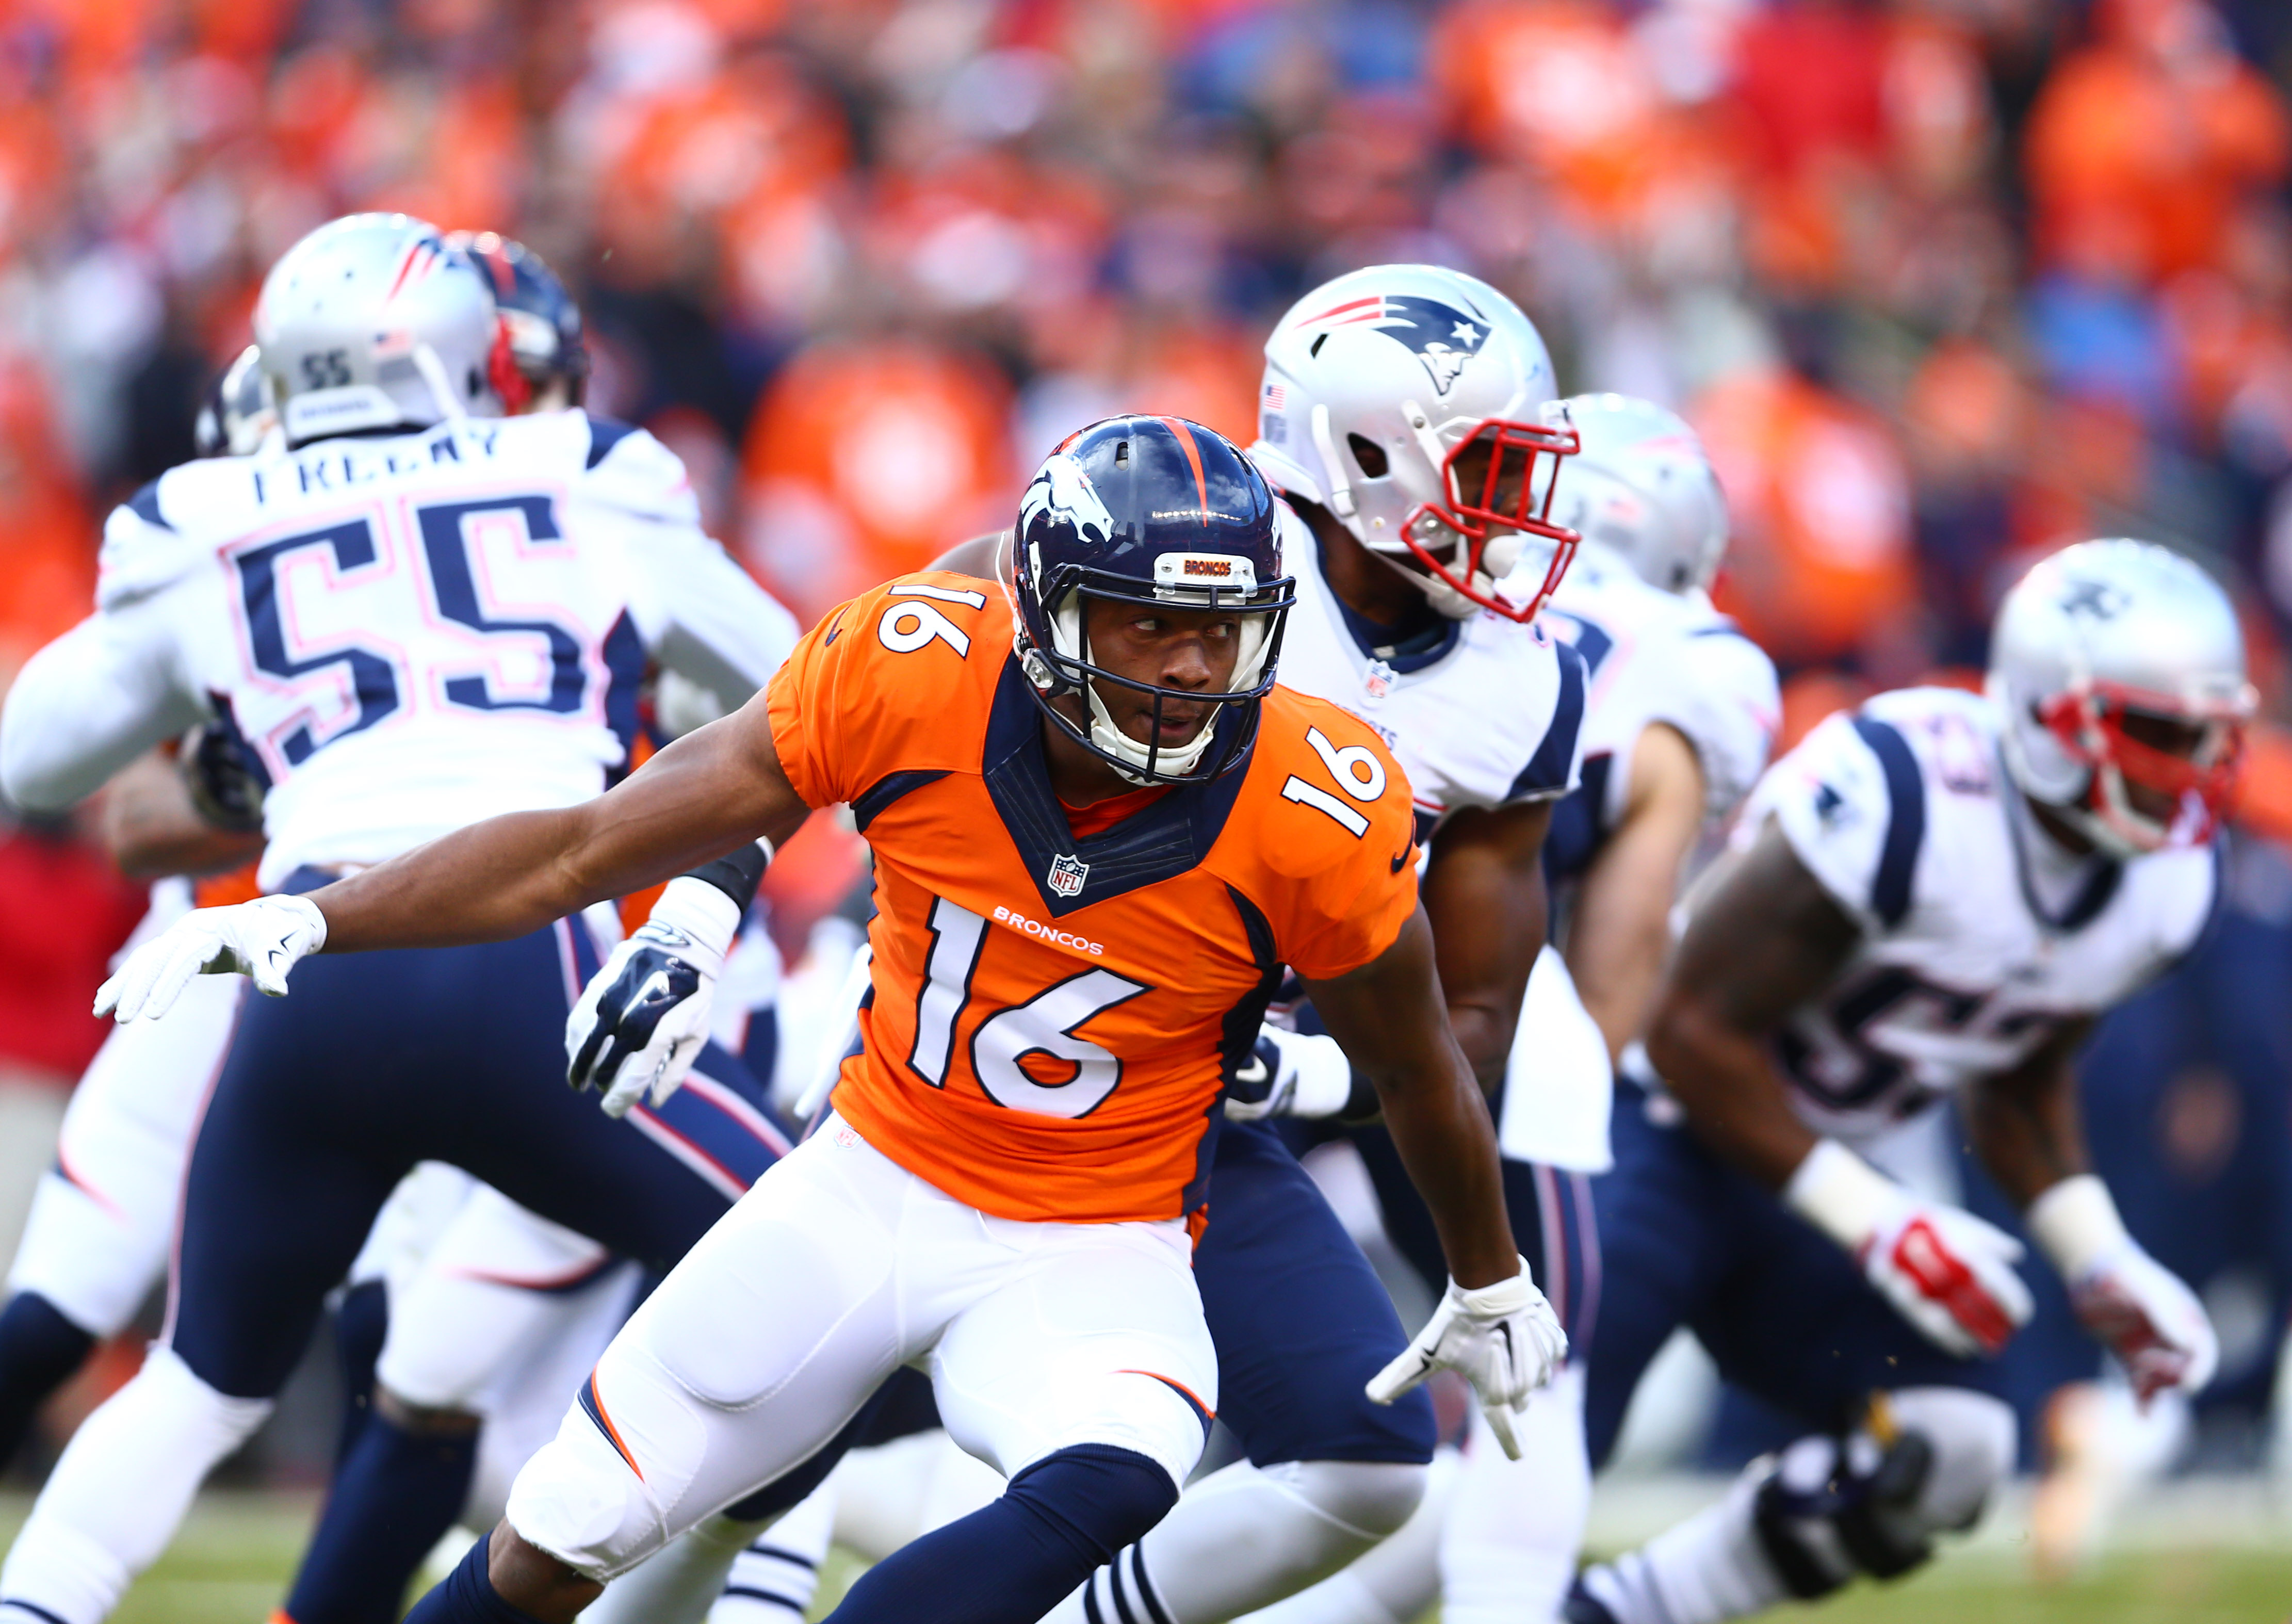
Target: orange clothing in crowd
{"points": [[2142, 142], [868, 460], [1055, 1014], [1821, 505]]}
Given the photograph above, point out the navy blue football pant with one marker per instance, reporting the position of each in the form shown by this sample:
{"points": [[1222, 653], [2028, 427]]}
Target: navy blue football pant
{"points": [[378, 1061], [1787, 1315], [1300, 1320]]}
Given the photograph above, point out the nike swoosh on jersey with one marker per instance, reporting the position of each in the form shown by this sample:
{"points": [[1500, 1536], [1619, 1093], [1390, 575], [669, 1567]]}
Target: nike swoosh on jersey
{"points": [[1406, 853]]}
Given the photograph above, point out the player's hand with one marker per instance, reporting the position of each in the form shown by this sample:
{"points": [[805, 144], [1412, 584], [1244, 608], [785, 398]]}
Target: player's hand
{"points": [[2146, 1315], [221, 777], [263, 939], [640, 1021], [1944, 1270], [1503, 1339], [1290, 1074], [1949, 1275]]}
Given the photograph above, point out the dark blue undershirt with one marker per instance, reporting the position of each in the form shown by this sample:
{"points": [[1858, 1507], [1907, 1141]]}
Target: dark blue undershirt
{"points": [[1419, 639]]}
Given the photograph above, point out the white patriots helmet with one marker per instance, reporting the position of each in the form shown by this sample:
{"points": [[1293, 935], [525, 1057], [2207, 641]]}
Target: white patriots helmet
{"points": [[2098, 645], [1642, 486], [236, 413], [1416, 403], [372, 322]]}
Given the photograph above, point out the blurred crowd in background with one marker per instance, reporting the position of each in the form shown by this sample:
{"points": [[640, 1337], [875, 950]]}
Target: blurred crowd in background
{"points": [[1944, 283]]}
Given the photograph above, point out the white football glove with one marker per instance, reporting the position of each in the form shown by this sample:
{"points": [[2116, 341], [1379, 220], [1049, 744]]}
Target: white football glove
{"points": [[640, 1021], [263, 939], [1945, 1271], [1504, 1338], [2134, 1305], [1290, 1074]]}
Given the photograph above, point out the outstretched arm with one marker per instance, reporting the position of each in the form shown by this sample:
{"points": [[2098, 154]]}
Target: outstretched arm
{"points": [[1621, 926], [2024, 1124], [1492, 1324], [1484, 895], [1390, 1017], [703, 796], [1766, 940], [153, 828]]}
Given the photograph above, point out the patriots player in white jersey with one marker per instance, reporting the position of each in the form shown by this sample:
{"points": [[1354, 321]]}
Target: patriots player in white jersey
{"points": [[1937, 894], [1404, 417], [461, 1388], [407, 614], [1678, 716]]}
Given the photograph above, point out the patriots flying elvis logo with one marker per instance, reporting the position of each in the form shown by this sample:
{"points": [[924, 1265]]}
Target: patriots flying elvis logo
{"points": [[1443, 337]]}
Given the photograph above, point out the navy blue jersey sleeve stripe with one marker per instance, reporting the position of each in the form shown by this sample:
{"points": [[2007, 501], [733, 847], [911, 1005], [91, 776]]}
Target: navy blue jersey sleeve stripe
{"points": [[1547, 772], [604, 434], [145, 505], [1906, 818], [888, 789]]}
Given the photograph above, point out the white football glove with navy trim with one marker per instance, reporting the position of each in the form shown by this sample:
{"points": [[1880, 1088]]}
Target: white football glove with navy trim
{"points": [[640, 1021], [1503, 1339], [263, 940]]}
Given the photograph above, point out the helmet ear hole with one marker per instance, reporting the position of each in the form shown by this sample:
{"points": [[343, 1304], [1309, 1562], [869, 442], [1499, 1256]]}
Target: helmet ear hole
{"points": [[1314, 348], [1370, 457]]}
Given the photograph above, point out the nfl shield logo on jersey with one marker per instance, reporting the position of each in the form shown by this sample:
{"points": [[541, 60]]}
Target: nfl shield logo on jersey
{"points": [[1067, 875]]}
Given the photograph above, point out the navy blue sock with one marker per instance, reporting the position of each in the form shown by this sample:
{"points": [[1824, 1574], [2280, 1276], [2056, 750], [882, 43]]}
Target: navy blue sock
{"points": [[392, 1499], [1013, 1561], [361, 1326], [467, 1596], [39, 1350]]}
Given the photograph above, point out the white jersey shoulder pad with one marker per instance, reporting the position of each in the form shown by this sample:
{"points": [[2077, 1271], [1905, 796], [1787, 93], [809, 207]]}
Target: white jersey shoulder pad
{"points": [[1728, 704], [164, 529], [628, 469], [1852, 801]]}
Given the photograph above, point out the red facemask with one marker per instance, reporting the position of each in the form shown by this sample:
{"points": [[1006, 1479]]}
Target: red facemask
{"points": [[1500, 497], [511, 385], [2090, 723]]}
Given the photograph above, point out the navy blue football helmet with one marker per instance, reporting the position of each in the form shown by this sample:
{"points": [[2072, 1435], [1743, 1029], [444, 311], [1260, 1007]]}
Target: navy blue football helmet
{"points": [[541, 325], [1149, 511]]}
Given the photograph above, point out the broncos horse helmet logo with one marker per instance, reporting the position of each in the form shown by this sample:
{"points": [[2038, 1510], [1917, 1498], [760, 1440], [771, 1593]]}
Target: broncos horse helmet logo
{"points": [[1063, 494], [1442, 337]]}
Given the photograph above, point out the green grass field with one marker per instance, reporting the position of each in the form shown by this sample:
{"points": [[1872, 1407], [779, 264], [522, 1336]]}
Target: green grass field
{"points": [[230, 1567]]}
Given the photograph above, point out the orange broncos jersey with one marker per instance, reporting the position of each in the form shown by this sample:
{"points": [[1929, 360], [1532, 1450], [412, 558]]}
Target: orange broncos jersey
{"points": [[1053, 1019]]}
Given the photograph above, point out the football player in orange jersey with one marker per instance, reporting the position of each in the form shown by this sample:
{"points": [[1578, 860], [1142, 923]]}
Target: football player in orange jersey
{"points": [[1100, 832]]}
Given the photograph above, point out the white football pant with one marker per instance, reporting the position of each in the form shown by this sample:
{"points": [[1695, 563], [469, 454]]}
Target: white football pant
{"points": [[838, 1267]]}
